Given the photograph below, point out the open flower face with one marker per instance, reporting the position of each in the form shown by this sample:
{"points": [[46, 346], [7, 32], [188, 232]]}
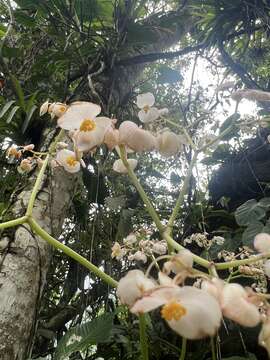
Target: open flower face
{"points": [[132, 287], [190, 312], [236, 306], [68, 160], [147, 113]]}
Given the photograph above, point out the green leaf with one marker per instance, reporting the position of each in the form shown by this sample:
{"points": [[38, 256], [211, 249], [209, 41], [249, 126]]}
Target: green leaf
{"points": [[229, 122], [251, 231], [12, 113], [19, 91], [250, 211], [28, 118], [82, 336], [265, 202], [6, 107]]}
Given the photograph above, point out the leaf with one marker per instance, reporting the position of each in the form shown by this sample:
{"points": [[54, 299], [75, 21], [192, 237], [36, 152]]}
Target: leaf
{"points": [[168, 75], [82, 336], [19, 91], [265, 202], [250, 211], [114, 203], [251, 231], [6, 107], [12, 113], [229, 122], [28, 118]]}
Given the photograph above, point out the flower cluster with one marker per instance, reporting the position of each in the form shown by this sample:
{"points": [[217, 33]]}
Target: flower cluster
{"points": [[192, 312], [138, 248], [202, 240], [16, 153], [88, 131]]}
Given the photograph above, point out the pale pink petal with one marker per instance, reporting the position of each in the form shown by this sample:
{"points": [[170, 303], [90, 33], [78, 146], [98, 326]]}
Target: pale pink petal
{"points": [[44, 108], [146, 304], [111, 138], [137, 139], [146, 99], [262, 242], [119, 166], [169, 143]]}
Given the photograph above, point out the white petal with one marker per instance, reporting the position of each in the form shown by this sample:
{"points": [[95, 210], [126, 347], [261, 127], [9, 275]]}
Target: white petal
{"points": [[150, 115], [266, 267], [236, 307], [262, 242], [44, 108], [146, 99], [77, 113], [119, 166], [61, 158], [169, 143], [132, 286]]}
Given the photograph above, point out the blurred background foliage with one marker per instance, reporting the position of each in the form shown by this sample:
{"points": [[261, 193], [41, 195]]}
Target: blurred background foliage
{"points": [[108, 51]]}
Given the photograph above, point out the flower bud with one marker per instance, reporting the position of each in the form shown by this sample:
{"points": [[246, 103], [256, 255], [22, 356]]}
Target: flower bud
{"points": [[262, 242], [169, 143]]}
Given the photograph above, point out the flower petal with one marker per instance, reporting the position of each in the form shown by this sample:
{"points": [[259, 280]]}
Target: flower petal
{"points": [[119, 166], [150, 115], [146, 99]]}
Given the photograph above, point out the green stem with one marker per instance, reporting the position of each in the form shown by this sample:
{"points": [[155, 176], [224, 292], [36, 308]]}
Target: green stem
{"points": [[14, 222], [236, 263], [183, 349], [182, 194], [213, 349], [143, 337], [219, 137], [199, 260], [141, 191], [71, 253], [33, 196]]}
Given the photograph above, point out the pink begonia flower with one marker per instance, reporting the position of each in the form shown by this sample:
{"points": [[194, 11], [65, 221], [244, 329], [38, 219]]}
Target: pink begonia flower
{"points": [[148, 113], [190, 312], [262, 242], [264, 336], [169, 143], [179, 263], [119, 166], [213, 287], [132, 287], [57, 109], [236, 305], [68, 160], [135, 138]]}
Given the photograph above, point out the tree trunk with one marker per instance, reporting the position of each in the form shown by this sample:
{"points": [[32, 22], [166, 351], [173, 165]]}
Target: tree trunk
{"points": [[24, 264]]}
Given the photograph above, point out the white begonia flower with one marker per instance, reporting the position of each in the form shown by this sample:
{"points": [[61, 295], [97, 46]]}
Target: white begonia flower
{"points": [[130, 239], [237, 307], [179, 263], [147, 113], [44, 108], [117, 251], [119, 166], [80, 114], [68, 160], [57, 109], [135, 138], [159, 248], [213, 287], [140, 256], [132, 287], [264, 336], [169, 143], [111, 138], [190, 312], [266, 267], [262, 242]]}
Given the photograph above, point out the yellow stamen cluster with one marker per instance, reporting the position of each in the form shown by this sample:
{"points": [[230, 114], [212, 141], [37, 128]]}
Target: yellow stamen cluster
{"points": [[71, 161], [146, 108], [87, 125], [63, 109], [173, 310]]}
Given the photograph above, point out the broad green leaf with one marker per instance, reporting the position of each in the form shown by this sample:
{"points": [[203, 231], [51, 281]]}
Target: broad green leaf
{"points": [[82, 336], [265, 202], [250, 211], [12, 113], [19, 91], [28, 118], [6, 107], [251, 231]]}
